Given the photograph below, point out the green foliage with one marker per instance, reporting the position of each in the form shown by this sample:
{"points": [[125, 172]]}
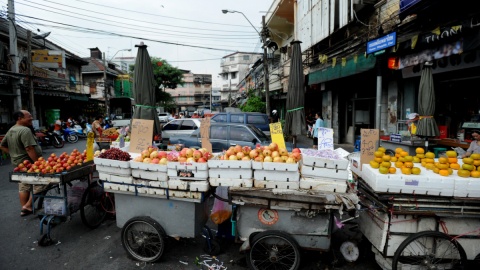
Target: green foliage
{"points": [[166, 101], [254, 104]]}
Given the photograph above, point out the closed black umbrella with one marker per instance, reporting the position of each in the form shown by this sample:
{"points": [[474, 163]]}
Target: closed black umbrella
{"points": [[295, 117], [144, 91], [426, 127]]}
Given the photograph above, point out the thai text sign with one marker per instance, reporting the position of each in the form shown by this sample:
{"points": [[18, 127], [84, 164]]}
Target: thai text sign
{"points": [[369, 142], [277, 134], [141, 135], [48, 59], [325, 138], [382, 43]]}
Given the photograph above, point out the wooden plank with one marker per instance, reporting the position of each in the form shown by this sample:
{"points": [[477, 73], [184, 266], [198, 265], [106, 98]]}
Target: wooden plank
{"points": [[311, 196]]}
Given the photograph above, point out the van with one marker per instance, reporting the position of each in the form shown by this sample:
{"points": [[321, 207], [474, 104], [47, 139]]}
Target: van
{"points": [[260, 120]]}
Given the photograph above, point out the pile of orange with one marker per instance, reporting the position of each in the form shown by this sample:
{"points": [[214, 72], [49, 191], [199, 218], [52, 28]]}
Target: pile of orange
{"points": [[470, 166], [401, 160]]}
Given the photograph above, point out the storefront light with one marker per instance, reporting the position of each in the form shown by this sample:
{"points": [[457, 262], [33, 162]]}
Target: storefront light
{"points": [[393, 62]]}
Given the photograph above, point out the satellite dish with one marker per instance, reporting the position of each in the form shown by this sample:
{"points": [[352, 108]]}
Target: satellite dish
{"points": [[42, 36]]}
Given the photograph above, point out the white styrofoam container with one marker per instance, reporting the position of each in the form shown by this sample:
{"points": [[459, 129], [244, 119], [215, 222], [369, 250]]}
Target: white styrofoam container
{"points": [[113, 170], [142, 190], [199, 186], [188, 166], [115, 178], [111, 162], [230, 173], [314, 172], [284, 176], [230, 182], [340, 164], [275, 166], [466, 187], [178, 184], [156, 191], [198, 174], [323, 185], [355, 166], [229, 164], [184, 194], [141, 182], [159, 184], [111, 187], [150, 175], [426, 183], [35, 179], [275, 184], [148, 166]]}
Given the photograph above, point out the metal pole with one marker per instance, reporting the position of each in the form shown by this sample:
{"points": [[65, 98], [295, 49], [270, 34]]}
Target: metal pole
{"points": [[265, 67], [105, 92], [30, 73], [211, 88], [17, 104]]}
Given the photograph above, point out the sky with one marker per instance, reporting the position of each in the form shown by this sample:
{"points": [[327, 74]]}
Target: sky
{"points": [[189, 34]]}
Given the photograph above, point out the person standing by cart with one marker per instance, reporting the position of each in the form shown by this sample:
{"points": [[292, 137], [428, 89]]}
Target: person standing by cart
{"points": [[21, 144], [318, 124], [97, 126], [474, 145]]}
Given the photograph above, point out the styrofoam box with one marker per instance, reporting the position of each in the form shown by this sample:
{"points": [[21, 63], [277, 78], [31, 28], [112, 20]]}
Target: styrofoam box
{"points": [[142, 190], [117, 187], [199, 186], [355, 166], [156, 176], [34, 179], [340, 164], [275, 184], [323, 185], [113, 170], [187, 166], [198, 175], [141, 182], [313, 172], [466, 187], [111, 162], [178, 184], [184, 194], [148, 166], [230, 173], [230, 182], [288, 176], [229, 164], [156, 191], [115, 178], [275, 166], [159, 184], [426, 183]]}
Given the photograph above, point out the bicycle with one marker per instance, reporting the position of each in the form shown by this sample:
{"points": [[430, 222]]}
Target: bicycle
{"points": [[96, 205]]}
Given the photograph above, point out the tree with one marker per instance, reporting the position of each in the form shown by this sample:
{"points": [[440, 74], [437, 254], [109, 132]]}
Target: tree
{"points": [[254, 103], [166, 76]]}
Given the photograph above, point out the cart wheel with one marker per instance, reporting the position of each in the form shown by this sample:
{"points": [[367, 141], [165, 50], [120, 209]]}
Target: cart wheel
{"points": [[430, 250], [92, 207], [212, 247], [143, 239], [273, 250]]}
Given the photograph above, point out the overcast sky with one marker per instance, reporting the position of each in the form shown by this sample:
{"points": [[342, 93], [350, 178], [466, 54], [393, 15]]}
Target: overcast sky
{"points": [[78, 25]]}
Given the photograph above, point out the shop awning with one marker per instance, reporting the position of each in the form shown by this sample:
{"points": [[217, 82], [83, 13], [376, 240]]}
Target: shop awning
{"points": [[351, 67]]}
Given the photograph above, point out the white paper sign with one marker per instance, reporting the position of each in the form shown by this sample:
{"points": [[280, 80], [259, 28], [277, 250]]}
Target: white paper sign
{"points": [[325, 138]]}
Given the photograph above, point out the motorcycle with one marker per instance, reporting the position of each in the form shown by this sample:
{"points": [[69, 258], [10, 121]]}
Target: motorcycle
{"points": [[79, 131], [49, 138], [69, 134]]}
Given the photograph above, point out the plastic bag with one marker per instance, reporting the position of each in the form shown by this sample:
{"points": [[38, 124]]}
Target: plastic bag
{"points": [[221, 210]]}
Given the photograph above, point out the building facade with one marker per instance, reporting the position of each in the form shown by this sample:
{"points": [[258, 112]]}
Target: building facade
{"points": [[195, 92]]}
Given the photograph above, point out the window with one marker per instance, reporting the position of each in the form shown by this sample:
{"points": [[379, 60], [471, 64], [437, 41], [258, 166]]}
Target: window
{"points": [[236, 118], [240, 134], [218, 132], [188, 125], [234, 75], [232, 58], [246, 57], [256, 119], [219, 118], [171, 126]]}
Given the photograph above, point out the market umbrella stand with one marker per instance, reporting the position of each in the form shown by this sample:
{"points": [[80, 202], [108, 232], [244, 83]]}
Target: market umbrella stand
{"points": [[426, 127], [295, 117], [144, 91]]}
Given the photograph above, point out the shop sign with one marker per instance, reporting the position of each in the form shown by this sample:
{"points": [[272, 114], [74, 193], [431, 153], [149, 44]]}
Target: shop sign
{"points": [[48, 58], [395, 138], [382, 43], [441, 33]]}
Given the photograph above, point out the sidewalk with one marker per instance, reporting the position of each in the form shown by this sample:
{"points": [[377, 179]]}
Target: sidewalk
{"points": [[304, 142]]}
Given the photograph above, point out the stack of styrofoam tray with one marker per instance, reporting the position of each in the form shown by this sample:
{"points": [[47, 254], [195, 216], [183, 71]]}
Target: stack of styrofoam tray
{"points": [[467, 187], [113, 167], [324, 184], [187, 177], [276, 175], [425, 183], [155, 172], [230, 173], [325, 174]]}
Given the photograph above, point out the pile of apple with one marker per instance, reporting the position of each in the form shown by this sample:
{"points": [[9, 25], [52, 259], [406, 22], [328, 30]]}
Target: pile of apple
{"points": [[154, 156], [269, 153], [54, 163]]}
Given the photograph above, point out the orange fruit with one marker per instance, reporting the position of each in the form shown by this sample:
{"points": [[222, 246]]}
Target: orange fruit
{"points": [[381, 149], [476, 162], [467, 160], [398, 150], [443, 172], [463, 173], [416, 160], [430, 166], [475, 156], [402, 159], [450, 171], [386, 157], [475, 174], [416, 170], [398, 164], [455, 166], [420, 156], [419, 150], [386, 164], [468, 167], [436, 170], [430, 155], [442, 166], [429, 160], [451, 154], [383, 170], [393, 159], [408, 158], [378, 159], [407, 171], [378, 154], [443, 160], [408, 164], [374, 164], [392, 170], [452, 160], [404, 153]]}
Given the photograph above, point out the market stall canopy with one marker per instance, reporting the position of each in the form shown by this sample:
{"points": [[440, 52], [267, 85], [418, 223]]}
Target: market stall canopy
{"points": [[144, 92], [295, 117], [426, 127]]}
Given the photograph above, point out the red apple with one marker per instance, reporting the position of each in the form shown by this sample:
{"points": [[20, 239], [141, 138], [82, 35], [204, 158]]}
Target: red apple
{"points": [[16, 169], [296, 150], [238, 148], [197, 154], [154, 160], [240, 155], [246, 150], [253, 153], [201, 160], [162, 154], [21, 165], [26, 162]]}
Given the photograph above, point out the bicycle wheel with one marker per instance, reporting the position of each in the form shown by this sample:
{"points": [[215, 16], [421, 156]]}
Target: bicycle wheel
{"points": [[430, 250], [143, 239], [92, 207], [273, 250]]}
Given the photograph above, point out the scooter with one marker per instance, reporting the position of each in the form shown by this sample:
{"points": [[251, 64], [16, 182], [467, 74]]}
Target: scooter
{"points": [[49, 138], [79, 131], [69, 134]]}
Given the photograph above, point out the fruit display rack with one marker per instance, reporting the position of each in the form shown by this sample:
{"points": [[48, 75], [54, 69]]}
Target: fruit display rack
{"points": [[61, 178]]}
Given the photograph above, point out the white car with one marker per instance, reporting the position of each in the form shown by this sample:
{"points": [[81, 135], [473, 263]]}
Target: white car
{"points": [[163, 117], [180, 127]]}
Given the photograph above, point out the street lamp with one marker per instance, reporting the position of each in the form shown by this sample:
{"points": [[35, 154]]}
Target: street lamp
{"points": [[105, 77], [265, 59], [122, 50]]}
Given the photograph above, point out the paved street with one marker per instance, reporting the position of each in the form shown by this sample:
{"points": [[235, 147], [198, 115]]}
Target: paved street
{"points": [[80, 248]]}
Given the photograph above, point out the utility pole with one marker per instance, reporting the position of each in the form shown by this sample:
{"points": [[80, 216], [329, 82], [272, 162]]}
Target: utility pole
{"points": [[30, 74], [17, 104], [105, 92], [265, 67]]}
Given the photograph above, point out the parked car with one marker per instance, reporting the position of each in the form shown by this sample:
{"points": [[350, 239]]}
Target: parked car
{"points": [[224, 135], [163, 117], [260, 120], [180, 127]]}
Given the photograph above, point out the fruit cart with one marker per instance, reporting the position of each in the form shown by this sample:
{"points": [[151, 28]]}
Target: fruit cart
{"points": [[104, 142], [65, 194], [420, 221]]}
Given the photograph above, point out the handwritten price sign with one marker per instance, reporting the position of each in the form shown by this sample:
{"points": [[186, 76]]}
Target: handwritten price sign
{"points": [[325, 138], [141, 135], [277, 134], [368, 144]]}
